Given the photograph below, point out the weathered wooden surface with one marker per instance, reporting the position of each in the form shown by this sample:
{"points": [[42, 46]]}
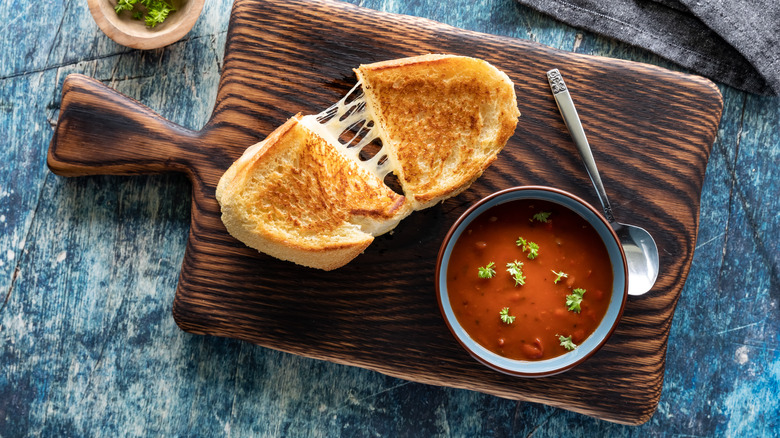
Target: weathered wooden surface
{"points": [[380, 311], [88, 345]]}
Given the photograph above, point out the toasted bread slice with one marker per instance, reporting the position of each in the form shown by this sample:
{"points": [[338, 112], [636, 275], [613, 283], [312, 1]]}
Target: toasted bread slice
{"points": [[442, 118], [295, 197]]}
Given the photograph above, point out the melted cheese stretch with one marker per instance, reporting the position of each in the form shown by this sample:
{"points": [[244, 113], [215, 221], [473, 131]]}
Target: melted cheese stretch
{"points": [[350, 114]]}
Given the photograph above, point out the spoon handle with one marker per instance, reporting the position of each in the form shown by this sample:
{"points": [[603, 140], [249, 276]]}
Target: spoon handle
{"points": [[572, 121]]}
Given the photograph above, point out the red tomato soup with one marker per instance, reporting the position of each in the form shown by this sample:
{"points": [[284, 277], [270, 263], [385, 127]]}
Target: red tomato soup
{"points": [[541, 314]]}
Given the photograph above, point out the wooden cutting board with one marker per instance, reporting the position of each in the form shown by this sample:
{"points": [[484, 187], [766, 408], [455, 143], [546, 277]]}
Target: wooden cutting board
{"points": [[651, 130]]}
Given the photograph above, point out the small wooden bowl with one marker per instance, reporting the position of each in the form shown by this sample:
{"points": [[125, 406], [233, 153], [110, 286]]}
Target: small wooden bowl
{"points": [[130, 32]]}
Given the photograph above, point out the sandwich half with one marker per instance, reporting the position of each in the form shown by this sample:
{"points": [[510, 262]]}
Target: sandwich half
{"points": [[295, 197], [442, 118], [309, 193]]}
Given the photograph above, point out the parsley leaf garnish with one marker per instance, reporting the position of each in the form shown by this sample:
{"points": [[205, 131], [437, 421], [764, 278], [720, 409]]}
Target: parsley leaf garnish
{"points": [[157, 16], [559, 275], [505, 317], [566, 342], [156, 10], [487, 271], [542, 216], [516, 270], [531, 247], [574, 300], [124, 5]]}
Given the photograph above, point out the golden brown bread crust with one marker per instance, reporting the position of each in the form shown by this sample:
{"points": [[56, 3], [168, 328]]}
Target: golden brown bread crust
{"points": [[295, 197], [444, 118]]}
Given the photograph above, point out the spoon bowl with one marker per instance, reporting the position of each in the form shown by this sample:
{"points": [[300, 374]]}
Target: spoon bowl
{"points": [[641, 257], [639, 246]]}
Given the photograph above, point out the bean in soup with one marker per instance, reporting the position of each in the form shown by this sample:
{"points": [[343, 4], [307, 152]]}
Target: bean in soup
{"points": [[529, 279]]}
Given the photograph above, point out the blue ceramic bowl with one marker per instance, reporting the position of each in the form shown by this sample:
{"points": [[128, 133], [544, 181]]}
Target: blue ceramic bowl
{"points": [[590, 345]]}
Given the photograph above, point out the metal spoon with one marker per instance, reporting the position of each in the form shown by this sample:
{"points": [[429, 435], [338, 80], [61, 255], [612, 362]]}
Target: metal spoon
{"points": [[638, 244]]}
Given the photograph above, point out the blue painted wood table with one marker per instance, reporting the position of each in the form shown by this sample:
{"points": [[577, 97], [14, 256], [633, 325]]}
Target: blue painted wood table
{"points": [[88, 269]]}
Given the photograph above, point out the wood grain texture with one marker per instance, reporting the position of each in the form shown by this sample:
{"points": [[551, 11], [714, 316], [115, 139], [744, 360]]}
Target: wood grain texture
{"points": [[651, 130]]}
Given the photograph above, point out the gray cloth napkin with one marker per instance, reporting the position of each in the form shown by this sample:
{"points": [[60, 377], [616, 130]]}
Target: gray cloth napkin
{"points": [[736, 42]]}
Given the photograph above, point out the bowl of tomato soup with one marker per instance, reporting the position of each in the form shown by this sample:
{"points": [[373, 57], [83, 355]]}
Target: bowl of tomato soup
{"points": [[531, 281]]}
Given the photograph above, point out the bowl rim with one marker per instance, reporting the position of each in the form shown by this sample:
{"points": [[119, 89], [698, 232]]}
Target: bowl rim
{"points": [[469, 215]]}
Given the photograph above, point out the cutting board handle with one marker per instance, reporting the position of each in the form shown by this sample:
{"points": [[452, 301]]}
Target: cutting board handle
{"points": [[102, 132]]}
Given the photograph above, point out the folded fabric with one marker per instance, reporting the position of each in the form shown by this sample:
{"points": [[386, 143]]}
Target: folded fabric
{"points": [[736, 42]]}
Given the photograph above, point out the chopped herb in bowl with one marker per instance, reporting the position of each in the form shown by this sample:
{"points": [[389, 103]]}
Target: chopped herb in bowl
{"points": [[151, 12]]}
